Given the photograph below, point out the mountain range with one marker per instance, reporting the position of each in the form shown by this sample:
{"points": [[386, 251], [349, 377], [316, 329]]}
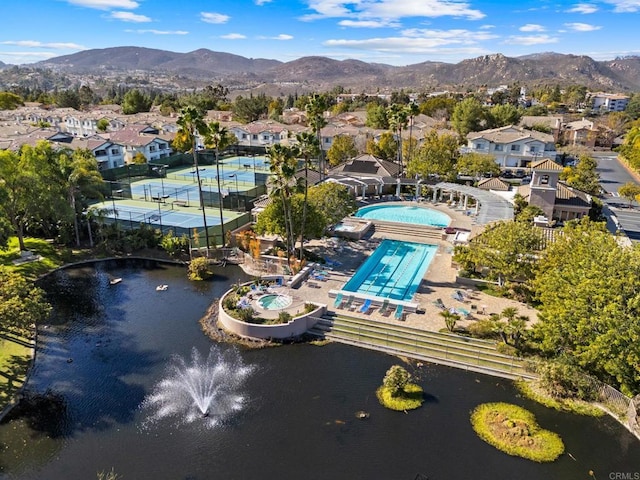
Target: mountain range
{"points": [[315, 72]]}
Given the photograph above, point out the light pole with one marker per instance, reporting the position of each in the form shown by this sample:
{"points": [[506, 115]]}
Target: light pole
{"points": [[233, 175]]}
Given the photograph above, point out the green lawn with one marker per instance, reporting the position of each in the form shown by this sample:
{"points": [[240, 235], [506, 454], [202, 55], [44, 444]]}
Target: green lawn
{"points": [[15, 355], [52, 256]]}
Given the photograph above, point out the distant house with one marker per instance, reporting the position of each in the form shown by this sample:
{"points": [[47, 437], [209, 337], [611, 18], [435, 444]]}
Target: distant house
{"points": [[558, 200], [260, 133], [608, 102], [107, 153], [142, 139], [581, 132], [512, 146]]}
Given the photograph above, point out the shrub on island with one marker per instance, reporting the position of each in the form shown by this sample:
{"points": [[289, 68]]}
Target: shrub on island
{"points": [[397, 393], [514, 431]]}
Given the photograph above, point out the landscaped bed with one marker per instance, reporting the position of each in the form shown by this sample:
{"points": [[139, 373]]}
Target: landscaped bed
{"points": [[514, 430]]}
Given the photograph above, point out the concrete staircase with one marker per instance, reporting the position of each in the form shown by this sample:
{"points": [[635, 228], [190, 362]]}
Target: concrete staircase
{"points": [[440, 348]]}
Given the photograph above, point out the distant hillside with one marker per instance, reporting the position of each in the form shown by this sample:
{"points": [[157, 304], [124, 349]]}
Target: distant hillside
{"points": [[321, 73], [139, 58]]}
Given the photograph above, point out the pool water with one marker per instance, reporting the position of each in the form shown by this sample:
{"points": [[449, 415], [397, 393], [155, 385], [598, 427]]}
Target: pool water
{"points": [[394, 270], [404, 214], [274, 302]]}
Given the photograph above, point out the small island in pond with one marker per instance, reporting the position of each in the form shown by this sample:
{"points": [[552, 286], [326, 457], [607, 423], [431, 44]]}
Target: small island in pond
{"points": [[514, 430]]}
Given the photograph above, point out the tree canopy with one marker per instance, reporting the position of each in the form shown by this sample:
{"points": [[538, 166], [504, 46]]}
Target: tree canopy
{"points": [[21, 303], [506, 248], [436, 155], [342, 149], [589, 290]]}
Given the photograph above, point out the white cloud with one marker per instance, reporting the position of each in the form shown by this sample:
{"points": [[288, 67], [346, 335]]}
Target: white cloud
{"points": [[233, 36], [37, 44], [367, 23], [282, 36], [210, 17], [130, 17], [532, 40], [105, 4], [390, 9], [487, 27], [159, 32], [262, 2], [420, 41], [26, 57], [582, 27], [531, 27], [584, 8], [624, 6]]}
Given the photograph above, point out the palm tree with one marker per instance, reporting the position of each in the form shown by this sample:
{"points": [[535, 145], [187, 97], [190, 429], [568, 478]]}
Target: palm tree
{"points": [[315, 109], [191, 124], [78, 176], [219, 138], [309, 147], [450, 319], [398, 118], [412, 111], [283, 166]]}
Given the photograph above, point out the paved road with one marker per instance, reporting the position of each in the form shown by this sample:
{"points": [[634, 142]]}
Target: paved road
{"points": [[612, 176]]}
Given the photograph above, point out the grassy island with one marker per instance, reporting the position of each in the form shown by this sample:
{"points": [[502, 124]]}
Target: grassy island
{"points": [[514, 431], [396, 393]]}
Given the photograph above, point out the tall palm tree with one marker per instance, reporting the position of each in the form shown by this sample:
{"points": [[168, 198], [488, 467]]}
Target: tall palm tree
{"points": [[309, 147], [315, 109], [398, 119], [412, 111], [191, 125], [283, 165], [79, 177], [219, 138]]}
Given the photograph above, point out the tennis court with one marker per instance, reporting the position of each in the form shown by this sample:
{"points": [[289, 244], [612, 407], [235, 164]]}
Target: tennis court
{"points": [[162, 215], [236, 173]]}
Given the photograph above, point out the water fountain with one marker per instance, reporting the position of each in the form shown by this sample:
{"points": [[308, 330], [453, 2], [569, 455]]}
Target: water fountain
{"points": [[207, 389]]}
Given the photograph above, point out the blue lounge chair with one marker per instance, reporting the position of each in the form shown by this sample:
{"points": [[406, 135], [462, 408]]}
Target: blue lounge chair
{"points": [[365, 306], [279, 281], [338, 301], [399, 315], [457, 296]]}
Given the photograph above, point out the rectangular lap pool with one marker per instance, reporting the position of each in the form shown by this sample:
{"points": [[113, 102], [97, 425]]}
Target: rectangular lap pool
{"points": [[393, 271]]}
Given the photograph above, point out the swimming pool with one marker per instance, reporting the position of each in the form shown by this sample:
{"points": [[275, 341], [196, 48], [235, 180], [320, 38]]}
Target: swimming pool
{"points": [[394, 270], [404, 214], [274, 302]]}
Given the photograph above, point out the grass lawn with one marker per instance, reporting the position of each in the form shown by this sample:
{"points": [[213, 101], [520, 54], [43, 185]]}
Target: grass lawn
{"points": [[53, 256], [15, 355]]}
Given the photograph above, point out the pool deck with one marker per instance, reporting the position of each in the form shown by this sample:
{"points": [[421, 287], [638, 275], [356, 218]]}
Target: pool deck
{"points": [[439, 281]]}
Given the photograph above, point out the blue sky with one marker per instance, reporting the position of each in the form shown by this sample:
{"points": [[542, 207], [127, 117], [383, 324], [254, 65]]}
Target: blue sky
{"points": [[396, 32]]}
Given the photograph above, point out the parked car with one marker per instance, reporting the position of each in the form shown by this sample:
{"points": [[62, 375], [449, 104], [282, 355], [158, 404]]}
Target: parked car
{"points": [[520, 173], [506, 174], [526, 180]]}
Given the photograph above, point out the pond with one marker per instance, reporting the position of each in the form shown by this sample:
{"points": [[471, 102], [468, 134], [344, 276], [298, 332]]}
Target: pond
{"points": [[108, 347]]}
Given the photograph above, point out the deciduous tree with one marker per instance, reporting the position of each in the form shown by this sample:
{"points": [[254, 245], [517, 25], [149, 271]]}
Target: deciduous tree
{"points": [[589, 290], [342, 149], [21, 303]]}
